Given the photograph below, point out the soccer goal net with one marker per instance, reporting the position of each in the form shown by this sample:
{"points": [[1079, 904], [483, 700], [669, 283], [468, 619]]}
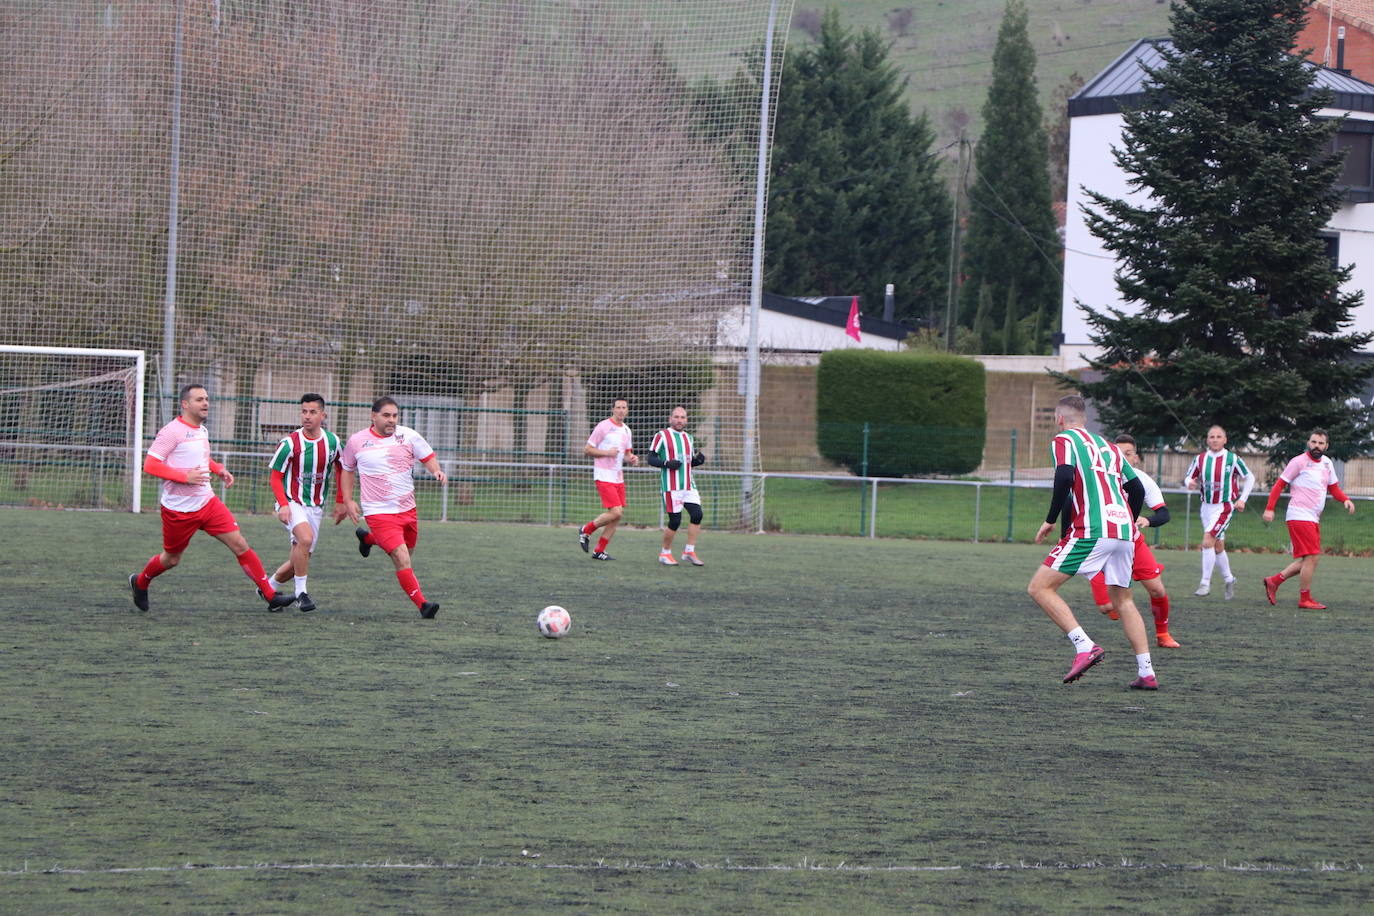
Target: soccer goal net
{"points": [[504, 214], [71, 435]]}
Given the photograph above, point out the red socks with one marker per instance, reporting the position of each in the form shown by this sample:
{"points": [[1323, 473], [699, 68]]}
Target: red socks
{"points": [[1160, 608], [151, 571], [589, 527], [410, 585], [252, 566], [1100, 596], [601, 545]]}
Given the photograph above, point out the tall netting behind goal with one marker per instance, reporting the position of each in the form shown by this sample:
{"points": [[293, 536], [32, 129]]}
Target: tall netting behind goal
{"points": [[502, 213]]}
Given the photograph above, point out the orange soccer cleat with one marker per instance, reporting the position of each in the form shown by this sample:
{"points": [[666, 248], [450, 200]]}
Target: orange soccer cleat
{"points": [[1165, 641]]}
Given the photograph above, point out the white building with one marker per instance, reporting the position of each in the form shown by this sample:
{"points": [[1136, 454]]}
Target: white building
{"points": [[1095, 127], [801, 326]]}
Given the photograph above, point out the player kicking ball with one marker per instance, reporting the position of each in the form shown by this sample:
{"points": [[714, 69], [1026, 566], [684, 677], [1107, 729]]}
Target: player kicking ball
{"points": [[180, 456]]}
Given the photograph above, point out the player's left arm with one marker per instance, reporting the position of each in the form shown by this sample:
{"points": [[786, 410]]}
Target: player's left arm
{"points": [[221, 472], [1339, 496], [432, 465], [1247, 484], [698, 459], [1135, 495], [1063, 484]]}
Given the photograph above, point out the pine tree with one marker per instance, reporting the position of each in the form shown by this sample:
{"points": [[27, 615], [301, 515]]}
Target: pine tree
{"points": [[1012, 239], [1241, 319], [855, 201]]}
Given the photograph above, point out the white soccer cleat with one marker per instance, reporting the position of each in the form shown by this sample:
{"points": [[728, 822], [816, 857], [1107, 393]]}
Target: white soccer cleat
{"points": [[667, 559], [1230, 589], [693, 559], [1203, 590]]}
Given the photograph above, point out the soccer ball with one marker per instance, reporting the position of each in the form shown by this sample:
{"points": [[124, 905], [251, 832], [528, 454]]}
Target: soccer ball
{"points": [[554, 622]]}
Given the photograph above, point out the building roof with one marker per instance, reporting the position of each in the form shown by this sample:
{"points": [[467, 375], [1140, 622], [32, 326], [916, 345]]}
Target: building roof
{"points": [[1122, 84], [1359, 13], [834, 311]]}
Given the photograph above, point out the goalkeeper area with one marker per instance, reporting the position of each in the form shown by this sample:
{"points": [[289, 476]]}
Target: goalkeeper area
{"points": [[758, 735]]}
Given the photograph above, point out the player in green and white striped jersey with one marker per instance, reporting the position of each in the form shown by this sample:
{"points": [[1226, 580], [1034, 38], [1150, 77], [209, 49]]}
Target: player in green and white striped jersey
{"points": [[301, 468], [674, 453], [1094, 482]]}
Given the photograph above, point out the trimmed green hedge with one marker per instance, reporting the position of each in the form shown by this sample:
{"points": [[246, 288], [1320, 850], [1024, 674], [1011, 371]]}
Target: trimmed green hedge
{"points": [[925, 413]]}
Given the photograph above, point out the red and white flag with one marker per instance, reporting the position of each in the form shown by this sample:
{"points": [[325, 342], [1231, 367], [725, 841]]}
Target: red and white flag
{"points": [[851, 327]]}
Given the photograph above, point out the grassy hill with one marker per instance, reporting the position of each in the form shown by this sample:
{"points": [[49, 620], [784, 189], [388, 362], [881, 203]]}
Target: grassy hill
{"points": [[945, 46]]}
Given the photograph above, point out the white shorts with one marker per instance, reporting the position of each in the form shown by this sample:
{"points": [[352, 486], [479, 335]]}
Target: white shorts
{"points": [[305, 515], [1087, 557], [1216, 517], [674, 500]]}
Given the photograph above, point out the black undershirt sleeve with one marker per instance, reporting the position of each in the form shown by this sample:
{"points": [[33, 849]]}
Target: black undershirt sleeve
{"points": [[1063, 484], [1135, 495], [1160, 517]]}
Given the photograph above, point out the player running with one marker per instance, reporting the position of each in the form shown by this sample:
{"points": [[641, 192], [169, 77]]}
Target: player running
{"points": [[381, 457], [1104, 496], [180, 455], [611, 445], [1144, 568], [673, 451], [301, 468], [1310, 477], [1226, 483]]}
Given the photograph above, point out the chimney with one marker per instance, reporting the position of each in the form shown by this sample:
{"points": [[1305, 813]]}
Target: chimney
{"points": [[887, 303], [1340, 51]]}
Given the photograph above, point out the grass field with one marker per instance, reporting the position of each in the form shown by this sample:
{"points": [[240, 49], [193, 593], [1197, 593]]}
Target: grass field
{"points": [[807, 724]]}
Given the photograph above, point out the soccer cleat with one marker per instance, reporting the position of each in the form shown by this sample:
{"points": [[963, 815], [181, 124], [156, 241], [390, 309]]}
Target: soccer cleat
{"points": [[429, 609], [364, 547], [305, 603], [584, 540], [1165, 641], [1082, 662], [692, 558], [1271, 588], [1203, 590], [279, 601], [667, 559], [1110, 612], [140, 594], [602, 555], [1308, 604], [1147, 682], [1230, 589]]}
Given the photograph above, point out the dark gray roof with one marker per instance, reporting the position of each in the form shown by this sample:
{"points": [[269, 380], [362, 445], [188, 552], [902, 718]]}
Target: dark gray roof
{"points": [[834, 311], [1122, 84]]}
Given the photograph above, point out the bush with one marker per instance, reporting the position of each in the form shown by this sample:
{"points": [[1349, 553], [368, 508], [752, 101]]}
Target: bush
{"points": [[925, 413]]}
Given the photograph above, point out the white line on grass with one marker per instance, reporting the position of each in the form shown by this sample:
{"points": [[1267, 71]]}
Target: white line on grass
{"points": [[805, 865]]}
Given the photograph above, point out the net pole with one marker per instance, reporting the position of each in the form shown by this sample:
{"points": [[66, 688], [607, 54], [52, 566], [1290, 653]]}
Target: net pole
{"points": [[169, 312], [136, 440], [751, 391]]}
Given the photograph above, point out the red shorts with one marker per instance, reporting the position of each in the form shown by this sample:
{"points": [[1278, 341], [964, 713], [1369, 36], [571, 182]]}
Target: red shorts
{"points": [[1306, 538], [392, 529], [612, 494], [178, 527], [1144, 567]]}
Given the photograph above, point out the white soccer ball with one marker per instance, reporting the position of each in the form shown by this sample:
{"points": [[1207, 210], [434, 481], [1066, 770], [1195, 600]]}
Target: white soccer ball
{"points": [[554, 622]]}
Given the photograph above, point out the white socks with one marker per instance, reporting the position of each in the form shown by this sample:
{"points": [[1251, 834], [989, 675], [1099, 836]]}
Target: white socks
{"points": [[300, 584], [1224, 565], [1080, 640], [1209, 559], [1143, 666]]}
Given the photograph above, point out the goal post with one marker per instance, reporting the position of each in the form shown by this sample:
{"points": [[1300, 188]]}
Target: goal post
{"points": [[73, 430]]}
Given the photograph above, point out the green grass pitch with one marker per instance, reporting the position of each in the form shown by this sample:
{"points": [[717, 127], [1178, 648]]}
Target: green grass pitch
{"points": [[807, 724]]}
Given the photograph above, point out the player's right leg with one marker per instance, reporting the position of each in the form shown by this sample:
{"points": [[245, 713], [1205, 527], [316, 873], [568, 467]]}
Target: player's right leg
{"points": [[1065, 561], [177, 530]]}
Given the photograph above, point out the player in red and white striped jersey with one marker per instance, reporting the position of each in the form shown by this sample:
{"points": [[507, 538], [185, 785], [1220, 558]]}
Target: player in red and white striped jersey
{"points": [[1104, 495], [1225, 483], [673, 451], [180, 455], [381, 458], [302, 466]]}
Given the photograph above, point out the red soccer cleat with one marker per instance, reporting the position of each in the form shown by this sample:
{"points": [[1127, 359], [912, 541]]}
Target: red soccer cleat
{"points": [[1082, 662], [1307, 604], [1165, 641], [1147, 682], [1271, 588], [1109, 611]]}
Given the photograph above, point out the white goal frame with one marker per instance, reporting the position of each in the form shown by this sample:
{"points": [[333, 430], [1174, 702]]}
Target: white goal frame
{"points": [[140, 370]]}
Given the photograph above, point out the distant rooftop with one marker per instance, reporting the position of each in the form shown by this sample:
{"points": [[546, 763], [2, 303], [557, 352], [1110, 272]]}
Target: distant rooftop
{"points": [[1122, 84]]}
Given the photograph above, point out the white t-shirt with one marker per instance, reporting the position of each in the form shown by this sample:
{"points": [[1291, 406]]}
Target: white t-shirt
{"points": [[383, 465], [609, 434], [183, 446], [1307, 482]]}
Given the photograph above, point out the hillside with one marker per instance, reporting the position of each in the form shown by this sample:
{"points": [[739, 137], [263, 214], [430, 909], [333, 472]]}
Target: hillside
{"points": [[945, 46]]}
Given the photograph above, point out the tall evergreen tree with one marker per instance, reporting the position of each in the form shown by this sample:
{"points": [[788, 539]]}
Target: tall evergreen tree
{"points": [[1012, 241], [1242, 319], [855, 201]]}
